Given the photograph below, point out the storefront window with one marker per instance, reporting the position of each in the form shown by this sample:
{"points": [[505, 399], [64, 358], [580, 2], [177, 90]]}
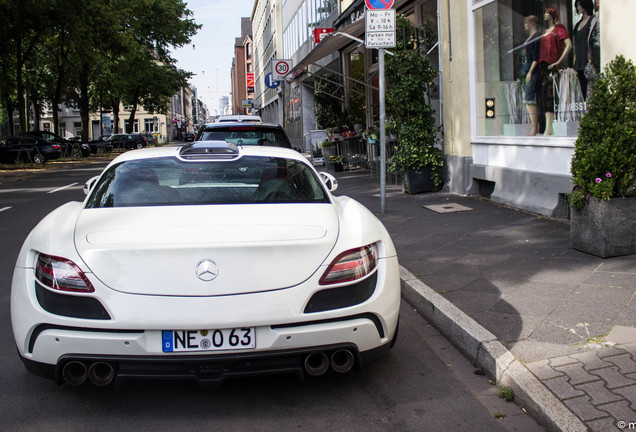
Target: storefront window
{"points": [[514, 97]]}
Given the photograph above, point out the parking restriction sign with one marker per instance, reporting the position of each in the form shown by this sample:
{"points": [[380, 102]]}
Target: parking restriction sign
{"points": [[281, 69]]}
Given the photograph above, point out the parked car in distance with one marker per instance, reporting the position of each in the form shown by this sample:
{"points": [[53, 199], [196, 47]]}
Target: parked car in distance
{"points": [[127, 141], [249, 266], [239, 133], [70, 147], [28, 149], [189, 136], [100, 146], [239, 118]]}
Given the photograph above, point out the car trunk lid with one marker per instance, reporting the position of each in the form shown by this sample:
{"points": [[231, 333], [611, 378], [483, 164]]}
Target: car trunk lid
{"points": [[206, 250]]}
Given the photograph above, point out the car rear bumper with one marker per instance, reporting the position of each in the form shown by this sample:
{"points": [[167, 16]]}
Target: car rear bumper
{"points": [[206, 370]]}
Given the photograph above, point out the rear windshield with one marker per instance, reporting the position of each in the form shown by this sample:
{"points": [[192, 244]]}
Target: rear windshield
{"points": [[246, 135], [171, 181]]}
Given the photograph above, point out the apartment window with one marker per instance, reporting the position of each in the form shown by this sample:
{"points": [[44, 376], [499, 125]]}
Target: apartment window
{"points": [[150, 126], [77, 126], [46, 126], [135, 128], [553, 101]]}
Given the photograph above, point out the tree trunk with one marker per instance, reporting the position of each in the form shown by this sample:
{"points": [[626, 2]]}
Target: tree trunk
{"points": [[20, 87], [84, 101], [115, 105]]}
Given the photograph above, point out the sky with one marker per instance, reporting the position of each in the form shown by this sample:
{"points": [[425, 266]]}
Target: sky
{"points": [[209, 55]]}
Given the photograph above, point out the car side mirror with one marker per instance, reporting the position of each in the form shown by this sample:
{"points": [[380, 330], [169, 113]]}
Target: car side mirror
{"points": [[329, 181], [297, 149], [88, 186]]}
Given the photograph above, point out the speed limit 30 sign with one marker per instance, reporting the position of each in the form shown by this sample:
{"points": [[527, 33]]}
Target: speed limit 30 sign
{"points": [[280, 69]]}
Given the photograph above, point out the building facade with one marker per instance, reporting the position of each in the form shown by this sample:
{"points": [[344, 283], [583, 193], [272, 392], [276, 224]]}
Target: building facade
{"points": [[268, 46], [485, 120], [184, 112], [243, 69], [494, 156]]}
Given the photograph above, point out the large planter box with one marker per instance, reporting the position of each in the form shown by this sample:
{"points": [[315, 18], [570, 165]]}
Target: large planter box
{"points": [[417, 182], [605, 228], [328, 152]]}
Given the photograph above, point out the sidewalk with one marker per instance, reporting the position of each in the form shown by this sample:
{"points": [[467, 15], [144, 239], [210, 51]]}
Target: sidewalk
{"points": [[556, 325]]}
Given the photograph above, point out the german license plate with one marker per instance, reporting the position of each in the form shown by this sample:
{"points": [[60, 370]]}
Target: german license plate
{"points": [[208, 340]]}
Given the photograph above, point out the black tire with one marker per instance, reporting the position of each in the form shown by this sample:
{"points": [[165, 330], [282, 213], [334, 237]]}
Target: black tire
{"points": [[39, 158]]}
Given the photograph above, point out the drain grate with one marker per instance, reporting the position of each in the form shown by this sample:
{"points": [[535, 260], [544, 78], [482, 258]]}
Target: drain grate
{"points": [[448, 208]]}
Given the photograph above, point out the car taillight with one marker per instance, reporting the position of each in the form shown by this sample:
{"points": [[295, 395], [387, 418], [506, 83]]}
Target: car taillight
{"points": [[56, 146], [351, 265], [61, 274]]}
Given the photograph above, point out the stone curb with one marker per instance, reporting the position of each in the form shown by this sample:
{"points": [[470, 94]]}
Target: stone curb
{"points": [[483, 349]]}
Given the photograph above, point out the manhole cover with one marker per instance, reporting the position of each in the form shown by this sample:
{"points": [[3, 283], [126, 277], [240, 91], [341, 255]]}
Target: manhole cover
{"points": [[448, 208]]}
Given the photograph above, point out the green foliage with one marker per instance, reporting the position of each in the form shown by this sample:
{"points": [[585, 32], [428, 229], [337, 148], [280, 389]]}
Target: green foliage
{"points": [[75, 52], [505, 393], [323, 12], [410, 81], [604, 161], [328, 108], [337, 160]]}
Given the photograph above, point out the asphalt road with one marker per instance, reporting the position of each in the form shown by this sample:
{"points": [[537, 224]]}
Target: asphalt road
{"points": [[423, 384]]}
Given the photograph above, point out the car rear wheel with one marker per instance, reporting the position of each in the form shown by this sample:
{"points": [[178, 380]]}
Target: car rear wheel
{"points": [[39, 158]]}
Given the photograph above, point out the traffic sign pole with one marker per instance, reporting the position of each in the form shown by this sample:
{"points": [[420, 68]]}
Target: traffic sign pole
{"points": [[381, 92]]}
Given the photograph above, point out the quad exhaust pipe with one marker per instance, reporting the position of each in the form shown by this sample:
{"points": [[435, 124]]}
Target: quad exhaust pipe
{"points": [[318, 363], [99, 373], [74, 372], [342, 361]]}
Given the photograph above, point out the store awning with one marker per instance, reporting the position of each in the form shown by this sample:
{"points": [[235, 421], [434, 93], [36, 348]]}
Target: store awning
{"points": [[332, 42]]}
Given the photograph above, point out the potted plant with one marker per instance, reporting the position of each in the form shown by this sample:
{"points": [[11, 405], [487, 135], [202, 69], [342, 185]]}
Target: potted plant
{"points": [[328, 150], [603, 199], [410, 79], [338, 162]]}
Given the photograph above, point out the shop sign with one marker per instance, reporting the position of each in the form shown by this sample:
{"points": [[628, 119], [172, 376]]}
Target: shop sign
{"points": [[321, 32]]}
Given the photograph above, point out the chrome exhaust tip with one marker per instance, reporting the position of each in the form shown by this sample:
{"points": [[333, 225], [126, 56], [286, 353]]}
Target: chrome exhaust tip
{"points": [[101, 373], [74, 372], [316, 364], [342, 361]]}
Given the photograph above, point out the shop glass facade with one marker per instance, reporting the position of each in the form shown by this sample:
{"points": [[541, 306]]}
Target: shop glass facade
{"points": [[507, 33]]}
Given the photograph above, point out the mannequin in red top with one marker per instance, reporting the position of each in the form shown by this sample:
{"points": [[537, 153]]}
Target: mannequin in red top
{"points": [[555, 47]]}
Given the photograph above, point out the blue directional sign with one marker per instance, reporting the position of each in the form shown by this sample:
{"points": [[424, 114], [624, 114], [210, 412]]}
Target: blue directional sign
{"points": [[269, 81], [379, 4]]}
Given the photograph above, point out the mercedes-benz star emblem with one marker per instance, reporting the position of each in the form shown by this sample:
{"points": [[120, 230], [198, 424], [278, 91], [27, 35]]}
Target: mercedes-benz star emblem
{"points": [[207, 270]]}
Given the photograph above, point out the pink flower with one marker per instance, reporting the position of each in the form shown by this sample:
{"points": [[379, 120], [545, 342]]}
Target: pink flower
{"points": [[598, 180], [608, 175]]}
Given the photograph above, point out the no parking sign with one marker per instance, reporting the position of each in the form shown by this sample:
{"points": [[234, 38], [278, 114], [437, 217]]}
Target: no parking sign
{"points": [[379, 4]]}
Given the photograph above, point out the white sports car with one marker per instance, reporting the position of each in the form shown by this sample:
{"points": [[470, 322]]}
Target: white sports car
{"points": [[205, 262]]}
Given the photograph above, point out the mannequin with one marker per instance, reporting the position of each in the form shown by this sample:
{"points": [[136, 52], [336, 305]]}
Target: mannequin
{"points": [[580, 35], [530, 55], [555, 47]]}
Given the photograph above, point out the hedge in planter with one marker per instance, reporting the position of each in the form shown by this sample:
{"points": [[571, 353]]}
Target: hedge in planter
{"points": [[410, 79], [604, 164]]}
